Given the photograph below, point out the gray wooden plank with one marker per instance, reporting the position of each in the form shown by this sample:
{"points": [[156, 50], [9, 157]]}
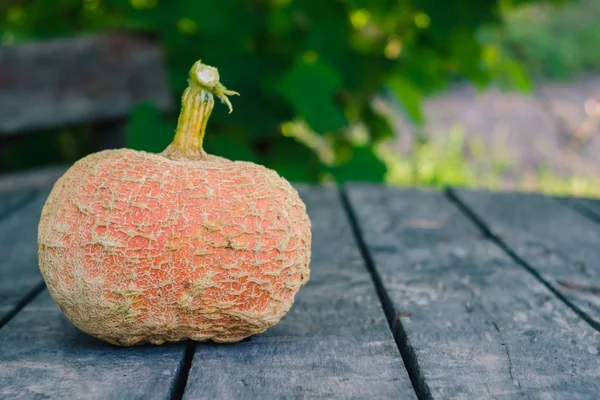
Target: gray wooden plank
{"points": [[560, 244], [10, 201], [478, 324], [36, 179], [18, 254], [44, 356], [334, 343], [588, 207], [78, 80]]}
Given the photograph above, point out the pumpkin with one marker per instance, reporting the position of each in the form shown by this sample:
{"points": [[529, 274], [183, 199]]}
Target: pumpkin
{"points": [[151, 248]]}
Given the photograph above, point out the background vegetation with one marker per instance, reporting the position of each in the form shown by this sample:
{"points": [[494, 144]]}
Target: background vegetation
{"points": [[310, 70], [555, 42]]}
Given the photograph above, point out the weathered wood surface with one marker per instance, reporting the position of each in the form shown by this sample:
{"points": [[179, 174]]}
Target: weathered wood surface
{"points": [[43, 356], [10, 201], [19, 183], [80, 80], [587, 207], [476, 324], [334, 343], [558, 243], [18, 254], [470, 315]]}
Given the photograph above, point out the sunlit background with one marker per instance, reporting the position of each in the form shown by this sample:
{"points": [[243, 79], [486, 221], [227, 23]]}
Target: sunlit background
{"points": [[503, 95]]}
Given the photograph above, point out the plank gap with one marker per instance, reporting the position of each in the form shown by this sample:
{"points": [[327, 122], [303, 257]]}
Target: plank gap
{"points": [[488, 234], [480, 325], [402, 342], [335, 342], [581, 209], [21, 304], [183, 371]]}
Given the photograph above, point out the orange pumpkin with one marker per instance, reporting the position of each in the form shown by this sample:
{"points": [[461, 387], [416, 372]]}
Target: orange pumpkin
{"points": [[137, 247]]}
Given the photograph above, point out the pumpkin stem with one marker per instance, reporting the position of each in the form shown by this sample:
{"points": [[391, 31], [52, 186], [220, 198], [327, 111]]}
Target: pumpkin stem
{"points": [[197, 104]]}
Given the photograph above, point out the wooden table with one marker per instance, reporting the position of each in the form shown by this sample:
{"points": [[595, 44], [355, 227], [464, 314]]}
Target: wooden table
{"points": [[413, 294]]}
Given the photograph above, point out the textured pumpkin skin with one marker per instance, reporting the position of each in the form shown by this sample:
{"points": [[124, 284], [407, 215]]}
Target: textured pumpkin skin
{"points": [[137, 248]]}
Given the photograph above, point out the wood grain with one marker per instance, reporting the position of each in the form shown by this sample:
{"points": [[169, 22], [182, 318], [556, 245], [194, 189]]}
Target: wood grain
{"points": [[558, 243], [18, 254], [478, 324], [45, 357]]}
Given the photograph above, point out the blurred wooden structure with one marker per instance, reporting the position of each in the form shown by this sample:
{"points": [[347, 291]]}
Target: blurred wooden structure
{"points": [[93, 80]]}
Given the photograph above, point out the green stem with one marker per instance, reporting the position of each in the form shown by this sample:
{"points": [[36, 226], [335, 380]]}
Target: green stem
{"points": [[197, 104]]}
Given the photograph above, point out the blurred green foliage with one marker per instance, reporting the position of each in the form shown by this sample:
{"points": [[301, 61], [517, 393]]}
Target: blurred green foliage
{"points": [[555, 42], [457, 160], [307, 70]]}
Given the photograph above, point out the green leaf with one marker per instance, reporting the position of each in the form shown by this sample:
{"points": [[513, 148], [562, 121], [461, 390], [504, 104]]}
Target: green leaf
{"points": [[518, 77], [293, 161], [310, 88], [425, 69], [379, 126], [409, 97], [148, 130], [328, 37], [229, 148], [446, 16], [364, 165], [466, 56]]}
